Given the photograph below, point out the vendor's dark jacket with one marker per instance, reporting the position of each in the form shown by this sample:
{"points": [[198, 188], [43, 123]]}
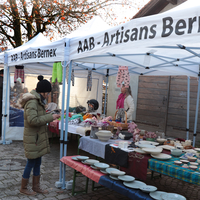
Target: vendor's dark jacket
{"points": [[35, 139]]}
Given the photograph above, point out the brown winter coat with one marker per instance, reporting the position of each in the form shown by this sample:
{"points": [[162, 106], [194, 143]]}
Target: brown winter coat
{"points": [[35, 139]]}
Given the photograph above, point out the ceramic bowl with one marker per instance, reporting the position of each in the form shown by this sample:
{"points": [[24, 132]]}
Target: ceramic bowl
{"points": [[117, 173], [103, 135], [148, 188], [192, 159], [185, 161], [176, 152], [177, 162], [82, 157], [194, 163], [198, 160], [91, 161], [101, 165], [153, 151], [161, 140], [193, 167], [126, 178]]}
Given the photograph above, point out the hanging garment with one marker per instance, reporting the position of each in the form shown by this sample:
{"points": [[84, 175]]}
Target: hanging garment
{"points": [[72, 77], [123, 76], [120, 101], [19, 73], [57, 72], [89, 80]]}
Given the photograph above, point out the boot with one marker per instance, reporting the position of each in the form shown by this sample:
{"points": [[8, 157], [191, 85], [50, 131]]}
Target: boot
{"points": [[24, 189], [36, 185]]}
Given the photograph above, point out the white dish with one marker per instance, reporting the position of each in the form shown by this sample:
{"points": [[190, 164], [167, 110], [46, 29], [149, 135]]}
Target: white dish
{"points": [[176, 162], [104, 135], [156, 150], [74, 158], [117, 173], [172, 196], [194, 163], [101, 165], [146, 146], [161, 156], [134, 184], [83, 161], [82, 157], [147, 142], [91, 161], [148, 188], [103, 171], [138, 150], [110, 169], [126, 178], [157, 195], [167, 147], [185, 161], [93, 167], [113, 177]]}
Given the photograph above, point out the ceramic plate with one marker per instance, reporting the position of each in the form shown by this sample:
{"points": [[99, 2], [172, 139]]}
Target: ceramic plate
{"points": [[147, 142], [148, 188], [146, 146], [156, 150], [74, 158], [91, 161], [117, 173], [113, 177], [83, 161], [157, 195], [101, 165], [172, 196], [134, 184], [161, 156], [110, 169], [103, 171], [138, 150], [126, 178], [167, 147], [82, 157], [93, 167]]}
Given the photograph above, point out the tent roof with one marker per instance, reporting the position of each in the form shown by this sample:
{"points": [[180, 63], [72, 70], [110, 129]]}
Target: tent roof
{"points": [[154, 43]]}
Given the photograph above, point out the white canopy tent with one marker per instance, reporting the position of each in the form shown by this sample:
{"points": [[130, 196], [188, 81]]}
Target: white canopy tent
{"points": [[139, 44]]}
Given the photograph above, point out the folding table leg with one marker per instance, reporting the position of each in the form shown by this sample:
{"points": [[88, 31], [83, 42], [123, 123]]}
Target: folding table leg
{"points": [[73, 185]]}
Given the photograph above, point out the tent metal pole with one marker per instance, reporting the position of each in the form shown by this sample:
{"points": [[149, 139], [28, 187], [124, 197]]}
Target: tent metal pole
{"points": [[5, 78], [62, 122], [196, 114], [188, 107], [66, 120], [107, 75]]}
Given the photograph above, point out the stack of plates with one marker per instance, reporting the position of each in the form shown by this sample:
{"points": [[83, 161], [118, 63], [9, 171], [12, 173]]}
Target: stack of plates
{"points": [[161, 156], [148, 188], [80, 158], [168, 196], [126, 178], [157, 195], [101, 165], [155, 150], [90, 162], [134, 184]]}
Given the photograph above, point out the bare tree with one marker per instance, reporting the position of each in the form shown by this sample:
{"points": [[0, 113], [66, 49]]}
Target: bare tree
{"points": [[20, 20]]}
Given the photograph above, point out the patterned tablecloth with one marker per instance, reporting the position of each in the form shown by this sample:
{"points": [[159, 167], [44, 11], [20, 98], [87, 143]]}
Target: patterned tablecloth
{"points": [[168, 167]]}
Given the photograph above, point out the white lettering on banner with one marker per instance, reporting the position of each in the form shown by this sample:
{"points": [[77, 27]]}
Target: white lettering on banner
{"points": [[47, 53], [122, 35]]}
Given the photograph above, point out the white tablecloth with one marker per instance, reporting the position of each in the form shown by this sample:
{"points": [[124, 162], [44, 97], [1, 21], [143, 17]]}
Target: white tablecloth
{"points": [[74, 129], [94, 146]]}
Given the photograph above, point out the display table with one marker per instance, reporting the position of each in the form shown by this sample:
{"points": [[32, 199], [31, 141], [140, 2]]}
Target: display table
{"points": [[104, 180]]}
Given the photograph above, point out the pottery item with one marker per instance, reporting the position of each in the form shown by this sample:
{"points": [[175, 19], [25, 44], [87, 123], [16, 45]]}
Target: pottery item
{"points": [[177, 162], [192, 159], [176, 152], [104, 135]]}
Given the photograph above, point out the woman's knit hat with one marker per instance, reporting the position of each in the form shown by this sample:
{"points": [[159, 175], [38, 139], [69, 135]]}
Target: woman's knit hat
{"points": [[43, 85]]}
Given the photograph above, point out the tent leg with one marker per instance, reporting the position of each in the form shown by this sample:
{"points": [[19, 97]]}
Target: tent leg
{"points": [[196, 114], [58, 184], [66, 120], [6, 78], [104, 111], [188, 108]]}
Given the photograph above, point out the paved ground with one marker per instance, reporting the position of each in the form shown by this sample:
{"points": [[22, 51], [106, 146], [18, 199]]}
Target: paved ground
{"points": [[12, 163]]}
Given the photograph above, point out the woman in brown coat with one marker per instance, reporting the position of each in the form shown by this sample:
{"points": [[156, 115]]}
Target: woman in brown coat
{"points": [[35, 139]]}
